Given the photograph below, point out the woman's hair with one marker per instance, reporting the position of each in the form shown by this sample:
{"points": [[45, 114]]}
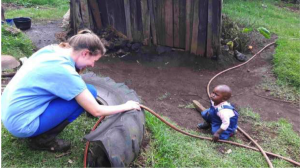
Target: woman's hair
{"points": [[86, 39]]}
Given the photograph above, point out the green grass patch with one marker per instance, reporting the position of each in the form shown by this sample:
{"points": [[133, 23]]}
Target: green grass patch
{"points": [[17, 45], [280, 21], [280, 90], [16, 153], [169, 148], [28, 3], [39, 13]]}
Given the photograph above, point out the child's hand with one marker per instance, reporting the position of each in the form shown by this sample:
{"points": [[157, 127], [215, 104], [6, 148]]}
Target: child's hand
{"points": [[216, 137]]}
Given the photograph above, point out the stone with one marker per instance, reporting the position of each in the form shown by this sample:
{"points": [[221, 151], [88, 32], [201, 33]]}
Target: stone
{"points": [[239, 56], [9, 62]]}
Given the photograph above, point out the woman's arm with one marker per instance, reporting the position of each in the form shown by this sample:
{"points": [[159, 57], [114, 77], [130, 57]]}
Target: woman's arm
{"points": [[86, 100]]}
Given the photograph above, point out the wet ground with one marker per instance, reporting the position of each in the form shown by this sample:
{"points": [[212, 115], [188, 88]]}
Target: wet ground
{"points": [[169, 82]]}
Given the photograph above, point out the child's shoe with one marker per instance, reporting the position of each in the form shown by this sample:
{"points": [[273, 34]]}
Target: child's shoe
{"points": [[204, 125]]}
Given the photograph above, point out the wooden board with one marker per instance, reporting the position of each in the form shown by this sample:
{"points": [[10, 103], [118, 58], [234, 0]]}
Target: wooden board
{"points": [[182, 27], [176, 25], [194, 42], [152, 22], [168, 10], [209, 50], [202, 28], [216, 25], [188, 24], [95, 13], [85, 14], [103, 11], [136, 20], [146, 22], [159, 13], [128, 20]]}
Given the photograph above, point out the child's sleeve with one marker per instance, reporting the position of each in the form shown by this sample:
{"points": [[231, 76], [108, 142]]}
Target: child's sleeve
{"points": [[225, 115]]}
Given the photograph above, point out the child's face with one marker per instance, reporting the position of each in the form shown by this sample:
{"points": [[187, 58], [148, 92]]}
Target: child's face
{"points": [[217, 96]]}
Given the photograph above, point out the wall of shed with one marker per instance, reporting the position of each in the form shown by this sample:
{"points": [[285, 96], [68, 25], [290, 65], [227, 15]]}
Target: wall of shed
{"points": [[192, 25]]}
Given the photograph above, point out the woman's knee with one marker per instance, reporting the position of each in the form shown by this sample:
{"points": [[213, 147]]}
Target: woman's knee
{"points": [[92, 89]]}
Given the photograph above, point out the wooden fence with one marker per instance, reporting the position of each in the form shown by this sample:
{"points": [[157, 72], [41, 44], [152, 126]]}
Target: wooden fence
{"points": [[192, 25]]}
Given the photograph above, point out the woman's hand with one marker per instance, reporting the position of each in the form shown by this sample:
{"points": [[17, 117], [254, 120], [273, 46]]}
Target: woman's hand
{"points": [[132, 105]]}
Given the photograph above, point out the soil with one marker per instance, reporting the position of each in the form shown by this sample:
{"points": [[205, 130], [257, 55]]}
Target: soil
{"points": [[168, 83]]}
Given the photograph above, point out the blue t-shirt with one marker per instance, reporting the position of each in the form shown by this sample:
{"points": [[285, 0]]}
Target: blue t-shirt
{"points": [[48, 74]]}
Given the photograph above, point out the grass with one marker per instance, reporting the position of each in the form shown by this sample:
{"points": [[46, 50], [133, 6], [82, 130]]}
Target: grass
{"points": [[16, 153], [171, 149], [280, 21], [168, 148], [18, 45], [38, 10], [35, 2]]}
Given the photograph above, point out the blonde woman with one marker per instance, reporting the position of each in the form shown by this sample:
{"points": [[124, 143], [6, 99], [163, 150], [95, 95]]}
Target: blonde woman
{"points": [[47, 93]]}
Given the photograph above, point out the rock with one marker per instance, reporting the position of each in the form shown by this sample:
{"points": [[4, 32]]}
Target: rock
{"points": [[9, 62], [162, 49], [136, 46], [239, 56], [107, 44], [12, 30], [66, 20]]}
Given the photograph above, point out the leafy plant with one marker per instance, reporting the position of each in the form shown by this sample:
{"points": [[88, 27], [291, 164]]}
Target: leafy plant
{"points": [[265, 32]]}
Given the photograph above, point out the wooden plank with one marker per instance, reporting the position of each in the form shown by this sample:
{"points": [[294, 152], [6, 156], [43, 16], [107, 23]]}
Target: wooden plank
{"points": [[85, 14], [194, 42], [176, 23], [135, 30], [188, 23], [128, 20], [139, 21], [152, 22], [91, 20], [95, 13], [146, 22], [209, 50], [182, 26], [168, 9], [110, 12], [216, 24], [159, 21], [119, 16], [72, 15], [103, 10], [202, 28]]}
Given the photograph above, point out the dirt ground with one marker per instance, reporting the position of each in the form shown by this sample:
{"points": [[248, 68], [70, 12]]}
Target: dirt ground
{"points": [[168, 83]]}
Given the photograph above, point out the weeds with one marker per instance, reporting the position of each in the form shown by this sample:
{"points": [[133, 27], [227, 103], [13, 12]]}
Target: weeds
{"points": [[168, 148], [277, 20], [17, 45]]}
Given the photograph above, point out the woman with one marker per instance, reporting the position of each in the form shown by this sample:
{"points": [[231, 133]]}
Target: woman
{"points": [[47, 93]]}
